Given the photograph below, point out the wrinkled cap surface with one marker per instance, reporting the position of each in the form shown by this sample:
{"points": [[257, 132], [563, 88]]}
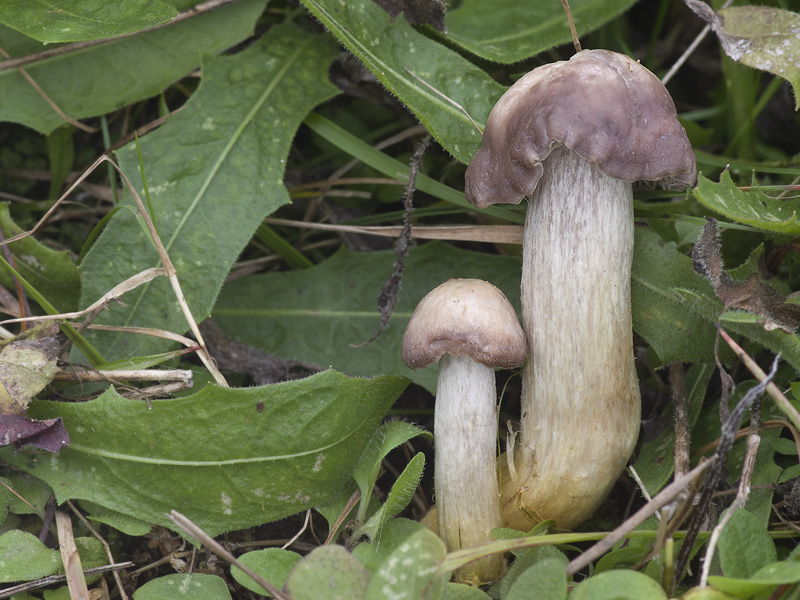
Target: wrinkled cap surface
{"points": [[464, 317], [603, 105]]}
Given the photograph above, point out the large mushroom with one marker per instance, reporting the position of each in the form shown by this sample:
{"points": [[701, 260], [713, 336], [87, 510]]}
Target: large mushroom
{"points": [[574, 136], [470, 327]]}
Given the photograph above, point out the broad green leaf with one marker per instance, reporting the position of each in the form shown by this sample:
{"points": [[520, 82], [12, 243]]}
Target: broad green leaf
{"points": [[766, 578], [23, 557], [462, 591], [214, 171], [273, 564], [400, 495], [184, 586], [508, 31], [618, 585], [103, 78], [745, 546], [392, 48], [124, 523], [706, 593], [76, 20], [35, 492], [753, 208], [388, 437], [411, 571], [674, 309], [760, 37], [373, 553], [545, 580], [226, 458], [51, 272], [329, 572], [660, 314], [655, 461], [286, 313]]}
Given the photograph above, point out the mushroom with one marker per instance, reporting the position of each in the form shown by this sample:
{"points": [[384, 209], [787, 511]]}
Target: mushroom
{"points": [[470, 327], [573, 136]]}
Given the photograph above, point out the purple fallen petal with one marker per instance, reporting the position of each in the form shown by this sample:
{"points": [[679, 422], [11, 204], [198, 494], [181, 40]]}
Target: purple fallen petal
{"points": [[50, 434]]}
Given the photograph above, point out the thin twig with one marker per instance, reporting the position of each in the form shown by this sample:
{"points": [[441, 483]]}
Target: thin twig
{"points": [[664, 497], [772, 389], [575, 41], [194, 531], [102, 540], [688, 52], [299, 533], [51, 579], [680, 404], [727, 437], [76, 581]]}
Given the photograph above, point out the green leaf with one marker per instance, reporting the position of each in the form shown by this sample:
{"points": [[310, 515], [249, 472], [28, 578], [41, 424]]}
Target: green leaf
{"points": [[546, 580], [745, 546], [61, 156], [76, 20], [226, 458], [273, 564], [766, 578], [392, 48], [674, 309], [763, 38], [124, 523], [400, 495], [285, 313], [329, 572], [101, 79], [23, 557], [373, 553], [196, 586], [388, 437], [462, 591], [411, 572], [618, 585], [752, 208], [214, 171], [655, 461], [659, 312], [508, 31], [51, 272]]}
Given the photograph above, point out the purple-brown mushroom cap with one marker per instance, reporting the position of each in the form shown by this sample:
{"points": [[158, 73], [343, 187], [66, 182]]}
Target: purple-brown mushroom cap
{"points": [[464, 317], [603, 105]]}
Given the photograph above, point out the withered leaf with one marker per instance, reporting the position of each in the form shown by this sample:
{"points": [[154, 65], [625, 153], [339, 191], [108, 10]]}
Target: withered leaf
{"points": [[27, 365], [50, 434], [417, 11], [752, 295]]}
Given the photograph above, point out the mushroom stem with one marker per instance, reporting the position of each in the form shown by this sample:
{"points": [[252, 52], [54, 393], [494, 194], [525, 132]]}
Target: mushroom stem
{"points": [[580, 395], [467, 497]]}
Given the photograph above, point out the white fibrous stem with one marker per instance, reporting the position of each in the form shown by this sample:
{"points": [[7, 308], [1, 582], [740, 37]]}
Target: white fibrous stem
{"points": [[465, 476], [580, 394]]}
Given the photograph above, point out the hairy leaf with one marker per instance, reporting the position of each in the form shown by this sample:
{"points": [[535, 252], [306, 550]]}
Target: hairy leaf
{"points": [[507, 31], [285, 313], [752, 208], [24, 557], [214, 171], [273, 564], [183, 586], [329, 572], [100, 79], [618, 585], [766, 578], [745, 546], [393, 50], [75, 20], [227, 459]]}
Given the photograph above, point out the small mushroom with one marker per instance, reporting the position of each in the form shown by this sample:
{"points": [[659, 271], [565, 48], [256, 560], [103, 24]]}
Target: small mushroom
{"points": [[470, 327], [574, 136]]}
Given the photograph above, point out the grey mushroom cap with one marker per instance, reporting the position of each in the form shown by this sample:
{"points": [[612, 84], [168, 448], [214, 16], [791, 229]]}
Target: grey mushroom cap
{"points": [[464, 317], [600, 104]]}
